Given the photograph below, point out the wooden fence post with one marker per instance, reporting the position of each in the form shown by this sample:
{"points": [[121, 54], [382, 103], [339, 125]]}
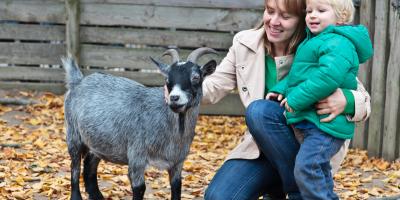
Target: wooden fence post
{"points": [[391, 120], [378, 78], [367, 17], [72, 28]]}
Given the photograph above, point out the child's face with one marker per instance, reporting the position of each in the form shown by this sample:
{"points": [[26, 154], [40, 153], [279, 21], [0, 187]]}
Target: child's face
{"points": [[319, 16]]}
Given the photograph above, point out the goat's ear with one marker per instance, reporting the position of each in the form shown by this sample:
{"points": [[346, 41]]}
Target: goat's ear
{"points": [[163, 67], [208, 68]]}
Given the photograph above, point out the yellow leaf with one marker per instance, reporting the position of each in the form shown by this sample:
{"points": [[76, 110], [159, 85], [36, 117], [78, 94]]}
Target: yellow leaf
{"points": [[37, 186], [5, 109], [20, 180], [39, 143], [19, 195], [34, 121], [155, 186]]}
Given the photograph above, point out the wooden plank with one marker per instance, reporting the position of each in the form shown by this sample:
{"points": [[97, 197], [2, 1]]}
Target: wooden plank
{"points": [[169, 17], [32, 32], [360, 139], [229, 105], [31, 73], [242, 4], [72, 29], [378, 78], [32, 11], [31, 53], [390, 122], [58, 75], [118, 35], [94, 55], [367, 18], [156, 37], [57, 88]]}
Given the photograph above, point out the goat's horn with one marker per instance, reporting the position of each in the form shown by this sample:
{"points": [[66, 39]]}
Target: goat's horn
{"points": [[173, 53], [197, 53]]}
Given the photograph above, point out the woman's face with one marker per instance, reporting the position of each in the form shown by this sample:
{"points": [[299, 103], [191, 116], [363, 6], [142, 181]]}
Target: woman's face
{"points": [[279, 24]]}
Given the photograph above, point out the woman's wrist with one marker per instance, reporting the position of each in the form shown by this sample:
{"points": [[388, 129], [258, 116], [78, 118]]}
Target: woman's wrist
{"points": [[350, 105]]}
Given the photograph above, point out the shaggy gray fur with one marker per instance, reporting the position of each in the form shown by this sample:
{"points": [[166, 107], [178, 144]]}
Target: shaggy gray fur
{"points": [[122, 121]]}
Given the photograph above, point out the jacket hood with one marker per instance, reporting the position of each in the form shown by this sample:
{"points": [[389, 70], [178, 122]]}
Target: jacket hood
{"points": [[358, 35]]}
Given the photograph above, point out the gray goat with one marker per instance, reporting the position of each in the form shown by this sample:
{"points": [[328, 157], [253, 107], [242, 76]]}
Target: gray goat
{"points": [[122, 121]]}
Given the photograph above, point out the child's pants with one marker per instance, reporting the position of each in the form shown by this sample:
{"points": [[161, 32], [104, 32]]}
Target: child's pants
{"points": [[312, 168]]}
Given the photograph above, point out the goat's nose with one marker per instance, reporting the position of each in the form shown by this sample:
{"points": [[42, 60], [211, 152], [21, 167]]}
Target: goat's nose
{"points": [[174, 98]]}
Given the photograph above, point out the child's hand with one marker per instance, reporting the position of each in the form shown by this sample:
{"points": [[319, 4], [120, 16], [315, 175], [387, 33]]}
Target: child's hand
{"points": [[284, 103], [274, 96]]}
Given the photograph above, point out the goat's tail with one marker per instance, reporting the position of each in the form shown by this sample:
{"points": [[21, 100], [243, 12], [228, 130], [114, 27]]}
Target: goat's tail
{"points": [[73, 74]]}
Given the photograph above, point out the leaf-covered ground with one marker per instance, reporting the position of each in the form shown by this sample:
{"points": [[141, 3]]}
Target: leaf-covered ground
{"points": [[34, 163]]}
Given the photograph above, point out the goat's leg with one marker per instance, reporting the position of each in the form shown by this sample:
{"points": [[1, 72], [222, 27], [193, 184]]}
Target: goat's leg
{"points": [[75, 150], [175, 179], [90, 164], [136, 176]]}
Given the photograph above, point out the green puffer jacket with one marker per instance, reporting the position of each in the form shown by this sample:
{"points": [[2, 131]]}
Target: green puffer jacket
{"points": [[323, 63]]}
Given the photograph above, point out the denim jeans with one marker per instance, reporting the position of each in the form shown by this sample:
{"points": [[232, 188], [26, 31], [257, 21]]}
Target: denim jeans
{"points": [[313, 170], [276, 140], [241, 179]]}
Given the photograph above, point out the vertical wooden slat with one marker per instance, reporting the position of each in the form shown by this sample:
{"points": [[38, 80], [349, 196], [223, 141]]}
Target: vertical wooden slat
{"points": [[72, 28], [390, 121], [367, 15], [398, 132], [378, 78]]}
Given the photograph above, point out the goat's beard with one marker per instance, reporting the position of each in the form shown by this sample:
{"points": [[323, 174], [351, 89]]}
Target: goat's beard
{"points": [[178, 108]]}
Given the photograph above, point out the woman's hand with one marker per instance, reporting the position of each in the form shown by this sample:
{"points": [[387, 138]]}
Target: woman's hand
{"points": [[274, 96], [332, 105]]}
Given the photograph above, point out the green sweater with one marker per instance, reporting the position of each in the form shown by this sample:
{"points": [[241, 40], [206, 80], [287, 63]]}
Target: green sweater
{"points": [[323, 63]]}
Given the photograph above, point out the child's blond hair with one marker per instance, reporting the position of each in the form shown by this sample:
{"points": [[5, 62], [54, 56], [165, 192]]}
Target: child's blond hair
{"points": [[344, 9]]}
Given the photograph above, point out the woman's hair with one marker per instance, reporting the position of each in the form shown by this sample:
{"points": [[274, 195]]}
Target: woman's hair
{"points": [[296, 8], [344, 9]]}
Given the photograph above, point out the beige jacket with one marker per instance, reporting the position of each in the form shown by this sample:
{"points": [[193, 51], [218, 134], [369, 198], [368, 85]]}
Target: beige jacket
{"points": [[244, 68]]}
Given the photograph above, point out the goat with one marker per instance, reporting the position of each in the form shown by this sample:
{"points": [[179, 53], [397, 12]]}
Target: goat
{"points": [[121, 121]]}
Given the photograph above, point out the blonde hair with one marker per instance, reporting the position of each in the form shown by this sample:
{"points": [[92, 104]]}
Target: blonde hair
{"points": [[296, 8], [344, 9]]}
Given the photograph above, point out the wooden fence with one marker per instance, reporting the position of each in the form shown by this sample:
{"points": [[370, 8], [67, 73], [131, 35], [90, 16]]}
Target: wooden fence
{"points": [[118, 36]]}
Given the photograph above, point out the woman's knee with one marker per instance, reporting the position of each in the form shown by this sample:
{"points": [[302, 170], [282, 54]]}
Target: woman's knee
{"points": [[253, 109], [264, 109], [259, 108]]}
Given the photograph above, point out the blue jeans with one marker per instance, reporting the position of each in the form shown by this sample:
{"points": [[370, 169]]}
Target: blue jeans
{"points": [[313, 170], [276, 140], [241, 179]]}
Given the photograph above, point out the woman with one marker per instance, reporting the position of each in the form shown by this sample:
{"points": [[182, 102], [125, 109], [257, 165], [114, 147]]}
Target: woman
{"points": [[256, 60]]}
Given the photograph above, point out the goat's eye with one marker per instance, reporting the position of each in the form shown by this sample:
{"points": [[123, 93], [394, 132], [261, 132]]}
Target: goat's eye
{"points": [[195, 78]]}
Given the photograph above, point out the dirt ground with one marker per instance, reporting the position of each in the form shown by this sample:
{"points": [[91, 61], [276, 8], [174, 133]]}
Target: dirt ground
{"points": [[34, 163]]}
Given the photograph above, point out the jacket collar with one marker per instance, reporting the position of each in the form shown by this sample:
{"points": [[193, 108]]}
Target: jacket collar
{"points": [[252, 39]]}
